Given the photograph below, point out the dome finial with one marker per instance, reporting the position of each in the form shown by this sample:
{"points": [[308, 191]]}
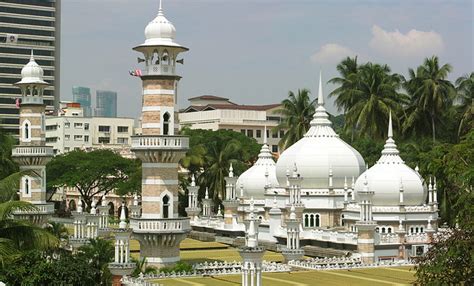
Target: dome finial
{"points": [[32, 57], [207, 193], [231, 171], [160, 9], [123, 223], [193, 181], [320, 90], [390, 128]]}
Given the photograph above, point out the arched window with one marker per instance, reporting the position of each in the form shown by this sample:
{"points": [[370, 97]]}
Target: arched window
{"points": [[421, 229], [165, 58], [166, 206], [155, 59], [166, 123], [416, 230], [306, 220], [72, 205], [411, 230], [317, 220], [383, 229], [26, 130], [27, 186], [342, 220], [389, 230], [311, 220], [111, 209]]}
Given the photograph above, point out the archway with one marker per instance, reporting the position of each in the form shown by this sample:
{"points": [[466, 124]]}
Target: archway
{"points": [[120, 212], [166, 206], [111, 209], [72, 205]]}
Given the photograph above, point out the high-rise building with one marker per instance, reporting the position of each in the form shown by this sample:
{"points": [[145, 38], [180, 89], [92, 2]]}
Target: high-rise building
{"points": [[82, 95], [27, 25], [106, 103]]}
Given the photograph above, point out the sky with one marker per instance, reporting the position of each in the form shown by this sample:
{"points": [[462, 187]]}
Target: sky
{"points": [[256, 51]]}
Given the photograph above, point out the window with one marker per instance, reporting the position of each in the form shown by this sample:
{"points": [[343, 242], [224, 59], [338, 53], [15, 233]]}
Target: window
{"points": [[78, 125], [51, 127], [282, 133], [122, 129], [275, 134], [250, 133], [166, 123], [242, 131], [67, 137], [26, 131], [67, 125], [311, 220], [103, 128], [86, 126], [122, 140], [66, 149], [75, 114], [86, 138], [268, 133], [27, 186], [258, 133], [104, 140], [77, 137], [51, 139], [166, 206], [275, 148]]}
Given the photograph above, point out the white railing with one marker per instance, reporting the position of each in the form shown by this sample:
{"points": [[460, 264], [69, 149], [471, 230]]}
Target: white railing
{"points": [[32, 150], [167, 142], [416, 238], [160, 225], [160, 70], [45, 208], [413, 209], [330, 235], [387, 238]]}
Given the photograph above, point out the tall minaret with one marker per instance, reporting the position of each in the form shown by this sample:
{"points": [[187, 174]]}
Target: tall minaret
{"points": [[159, 229], [32, 154]]}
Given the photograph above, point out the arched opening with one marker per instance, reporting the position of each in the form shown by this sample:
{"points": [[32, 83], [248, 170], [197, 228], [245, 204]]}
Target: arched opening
{"points": [[165, 59], [26, 131], [72, 205], [166, 206], [155, 59], [383, 229], [342, 220], [416, 230], [421, 229], [317, 221], [411, 229], [389, 230], [111, 209], [311, 220], [166, 123], [306, 220], [27, 186]]}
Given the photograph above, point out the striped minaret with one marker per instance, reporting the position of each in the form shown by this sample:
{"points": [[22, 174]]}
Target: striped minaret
{"points": [[32, 154], [159, 229]]}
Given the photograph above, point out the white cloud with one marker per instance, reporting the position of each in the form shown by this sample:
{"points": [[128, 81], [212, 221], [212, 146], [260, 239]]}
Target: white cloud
{"points": [[412, 44], [331, 53]]}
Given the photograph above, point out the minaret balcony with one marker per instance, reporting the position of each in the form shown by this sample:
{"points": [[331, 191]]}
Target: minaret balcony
{"points": [[159, 70], [32, 100], [160, 225], [164, 142], [27, 151]]}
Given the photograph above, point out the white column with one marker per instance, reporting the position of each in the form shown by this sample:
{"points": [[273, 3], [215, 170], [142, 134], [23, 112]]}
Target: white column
{"points": [[117, 252], [259, 276]]}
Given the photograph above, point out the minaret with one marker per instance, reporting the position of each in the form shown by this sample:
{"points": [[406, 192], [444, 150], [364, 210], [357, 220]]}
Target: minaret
{"points": [[122, 265], [251, 253], [207, 204], [159, 229], [32, 154], [193, 208], [295, 193], [231, 203], [292, 251]]}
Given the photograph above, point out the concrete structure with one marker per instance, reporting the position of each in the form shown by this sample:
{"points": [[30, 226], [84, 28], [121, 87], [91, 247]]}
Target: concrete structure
{"points": [[82, 95], [217, 113], [26, 26], [106, 103], [32, 154], [384, 215], [159, 229]]}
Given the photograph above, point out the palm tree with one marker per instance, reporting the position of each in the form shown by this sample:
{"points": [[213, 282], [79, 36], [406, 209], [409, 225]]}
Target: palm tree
{"points": [[297, 111], [431, 94], [7, 165], [142, 267], [373, 96], [465, 94], [57, 229], [19, 235], [99, 252]]}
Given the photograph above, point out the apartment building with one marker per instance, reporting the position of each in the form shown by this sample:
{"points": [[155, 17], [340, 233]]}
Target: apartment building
{"points": [[217, 113]]}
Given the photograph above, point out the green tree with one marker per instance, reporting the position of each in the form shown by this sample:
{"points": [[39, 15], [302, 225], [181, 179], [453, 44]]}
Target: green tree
{"points": [[94, 173], [297, 112], [57, 229], [99, 252], [142, 267], [465, 94], [7, 165], [431, 95]]}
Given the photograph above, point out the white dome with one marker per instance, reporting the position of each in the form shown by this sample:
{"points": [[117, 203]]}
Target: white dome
{"points": [[261, 174], [160, 30], [32, 73], [388, 175], [318, 152]]}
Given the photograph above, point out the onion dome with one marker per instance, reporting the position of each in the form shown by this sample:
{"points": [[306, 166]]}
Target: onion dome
{"points": [[319, 152], [386, 176], [260, 175], [32, 73], [160, 31]]}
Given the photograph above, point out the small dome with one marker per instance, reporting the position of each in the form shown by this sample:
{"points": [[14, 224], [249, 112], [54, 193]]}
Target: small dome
{"points": [[319, 152], [159, 30], [261, 174], [32, 72], [388, 175]]}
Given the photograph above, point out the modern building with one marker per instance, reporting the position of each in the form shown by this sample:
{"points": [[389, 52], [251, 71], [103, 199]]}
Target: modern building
{"points": [[71, 130], [106, 103], [27, 25], [217, 113], [82, 95]]}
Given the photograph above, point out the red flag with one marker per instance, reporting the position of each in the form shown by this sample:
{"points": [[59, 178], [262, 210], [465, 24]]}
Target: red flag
{"points": [[17, 103]]}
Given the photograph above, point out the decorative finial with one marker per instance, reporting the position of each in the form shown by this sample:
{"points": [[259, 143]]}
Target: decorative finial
{"points": [[401, 185], [193, 181], [434, 184], [295, 170], [320, 91], [207, 193], [231, 171], [93, 204], [430, 185], [219, 213], [123, 223], [390, 128], [345, 182], [79, 205], [32, 57], [353, 183], [275, 201], [366, 184], [287, 171], [417, 169], [135, 199], [103, 203], [265, 135], [292, 212], [160, 9]]}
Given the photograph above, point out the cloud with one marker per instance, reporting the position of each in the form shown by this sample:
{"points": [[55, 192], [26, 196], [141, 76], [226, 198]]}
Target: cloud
{"points": [[331, 53], [412, 44]]}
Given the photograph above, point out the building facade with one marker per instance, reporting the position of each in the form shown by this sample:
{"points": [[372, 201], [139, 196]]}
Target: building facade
{"points": [[27, 25], [218, 113], [82, 95], [106, 103]]}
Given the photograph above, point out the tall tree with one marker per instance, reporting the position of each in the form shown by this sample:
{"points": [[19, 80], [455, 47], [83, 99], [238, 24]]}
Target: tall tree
{"points": [[94, 173], [297, 112], [373, 97], [465, 94], [431, 94], [7, 165]]}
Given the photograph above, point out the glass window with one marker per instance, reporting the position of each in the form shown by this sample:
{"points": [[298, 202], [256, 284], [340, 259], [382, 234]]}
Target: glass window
{"points": [[250, 133], [122, 129], [104, 140], [103, 128], [242, 131], [258, 133], [86, 138], [86, 126], [275, 134], [77, 137], [67, 125], [275, 148], [77, 125], [122, 140], [282, 133], [67, 137]]}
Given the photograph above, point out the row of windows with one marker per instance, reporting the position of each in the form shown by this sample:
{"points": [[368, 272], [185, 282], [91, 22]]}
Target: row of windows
{"points": [[15, 30], [106, 140], [27, 21], [24, 11], [106, 128], [18, 71], [15, 80], [16, 90], [26, 51], [258, 133], [44, 3], [311, 220], [12, 60]]}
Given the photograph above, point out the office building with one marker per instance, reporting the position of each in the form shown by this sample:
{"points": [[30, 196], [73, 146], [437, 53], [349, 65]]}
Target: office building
{"points": [[27, 25], [82, 95], [106, 103]]}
